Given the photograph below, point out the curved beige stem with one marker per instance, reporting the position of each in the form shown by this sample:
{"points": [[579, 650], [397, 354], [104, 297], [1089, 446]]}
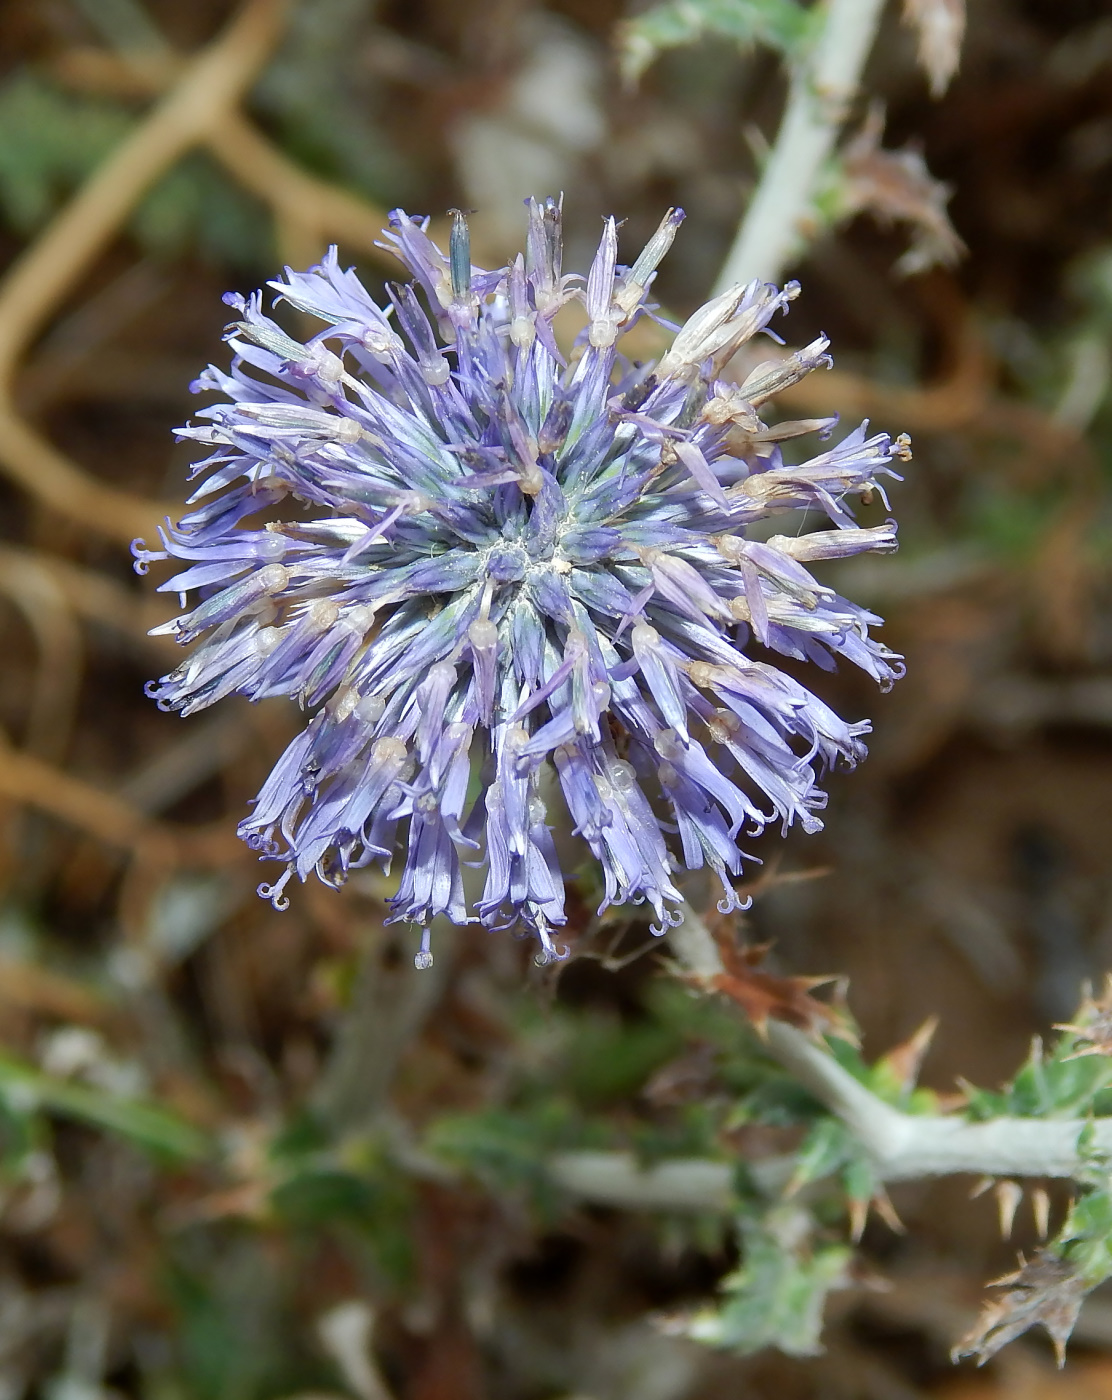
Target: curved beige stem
{"points": [[45, 272]]}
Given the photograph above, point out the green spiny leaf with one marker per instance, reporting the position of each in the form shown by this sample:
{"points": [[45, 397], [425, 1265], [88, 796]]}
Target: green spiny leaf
{"points": [[826, 1148], [777, 1296], [782, 25]]}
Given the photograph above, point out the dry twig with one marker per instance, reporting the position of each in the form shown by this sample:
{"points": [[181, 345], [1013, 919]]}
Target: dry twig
{"points": [[108, 817], [319, 211], [49, 614], [49, 267]]}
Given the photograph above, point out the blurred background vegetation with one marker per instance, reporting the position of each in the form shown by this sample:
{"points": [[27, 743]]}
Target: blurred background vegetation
{"points": [[247, 1155]]}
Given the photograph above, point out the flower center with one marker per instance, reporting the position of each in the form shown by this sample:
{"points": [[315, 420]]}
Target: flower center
{"points": [[507, 562]]}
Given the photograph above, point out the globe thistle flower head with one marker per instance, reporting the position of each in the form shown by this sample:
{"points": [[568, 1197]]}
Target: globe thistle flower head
{"points": [[505, 580]]}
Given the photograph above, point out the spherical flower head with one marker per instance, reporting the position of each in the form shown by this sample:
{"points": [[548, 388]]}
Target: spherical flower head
{"points": [[503, 579]]}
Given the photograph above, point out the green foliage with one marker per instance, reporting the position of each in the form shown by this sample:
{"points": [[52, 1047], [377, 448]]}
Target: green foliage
{"points": [[579, 1080], [782, 25], [1085, 1239], [507, 1149], [210, 1336], [22, 1132], [776, 1297], [826, 1149], [1009, 523], [315, 1197], [690, 1130], [884, 1078], [608, 1060], [1054, 1085], [501, 1149], [353, 1187], [577, 1065], [1085, 392], [1064, 1082], [51, 140], [235, 1335], [195, 208], [316, 92], [25, 1090]]}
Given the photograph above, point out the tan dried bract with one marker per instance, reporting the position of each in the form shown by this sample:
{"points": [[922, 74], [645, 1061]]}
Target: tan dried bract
{"points": [[1094, 1024], [897, 187], [1045, 1292], [763, 995], [940, 25]]}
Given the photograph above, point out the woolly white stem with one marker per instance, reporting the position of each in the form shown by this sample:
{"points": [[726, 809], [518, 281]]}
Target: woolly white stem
{"points": [[616, 1179], [906, 1146], [823, 84], [902, 1146]]}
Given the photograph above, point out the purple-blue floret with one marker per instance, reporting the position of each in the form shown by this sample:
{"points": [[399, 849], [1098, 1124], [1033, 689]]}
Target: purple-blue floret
{"points": [[505, 579]]}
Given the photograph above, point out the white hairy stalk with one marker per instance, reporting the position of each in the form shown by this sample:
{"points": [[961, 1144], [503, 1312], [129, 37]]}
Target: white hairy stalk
{"points": [[823, 84], [901, 1146]]}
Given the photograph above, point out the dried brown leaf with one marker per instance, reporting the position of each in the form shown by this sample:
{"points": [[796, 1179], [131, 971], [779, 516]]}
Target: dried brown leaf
{"points": [[1044, 1292], [940, 25], [897, 187], [763, 995], [687, 1079]]}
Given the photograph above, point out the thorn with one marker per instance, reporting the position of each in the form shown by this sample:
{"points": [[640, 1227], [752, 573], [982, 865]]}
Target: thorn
{"points": [[887, 1212], [907, 1059], [858, 1214], [980, 1187], [1008, 1196], [1040, 1208], [967, 1091]]}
